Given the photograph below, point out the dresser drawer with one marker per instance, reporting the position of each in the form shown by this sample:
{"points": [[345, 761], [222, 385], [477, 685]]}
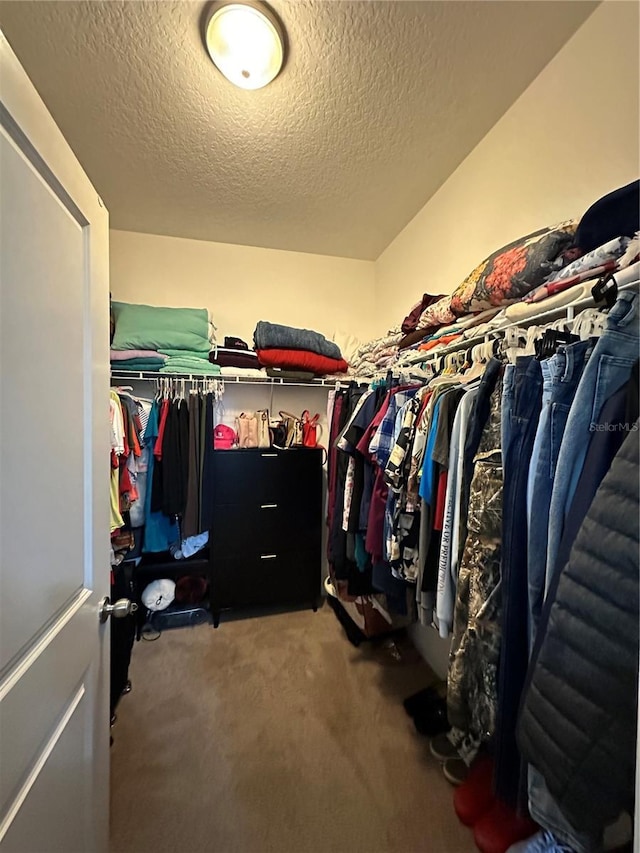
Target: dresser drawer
{"points": [[267, 579], [265, 528], [267, 476]]}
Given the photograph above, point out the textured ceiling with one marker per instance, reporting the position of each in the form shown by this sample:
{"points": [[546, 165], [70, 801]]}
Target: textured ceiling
{"points": [[377, 105]]}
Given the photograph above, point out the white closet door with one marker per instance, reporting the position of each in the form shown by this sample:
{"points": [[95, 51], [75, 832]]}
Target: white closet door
{"points": [[54, 484]]}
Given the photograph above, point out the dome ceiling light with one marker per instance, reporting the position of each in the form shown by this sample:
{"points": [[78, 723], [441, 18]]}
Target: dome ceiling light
{"points": [[246, 42]]}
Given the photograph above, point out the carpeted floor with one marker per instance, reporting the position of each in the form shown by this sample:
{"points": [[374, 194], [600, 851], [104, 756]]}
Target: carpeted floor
{"points": [[275, 735]]}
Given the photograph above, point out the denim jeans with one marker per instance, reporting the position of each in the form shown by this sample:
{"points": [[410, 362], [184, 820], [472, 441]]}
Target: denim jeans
{"points": [[508, 380], [561, 374], [544, 811], [521, 403], [608, 369]]}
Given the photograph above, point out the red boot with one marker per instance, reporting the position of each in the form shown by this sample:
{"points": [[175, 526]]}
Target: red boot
{"points": [[475, 796], [501, 827]]}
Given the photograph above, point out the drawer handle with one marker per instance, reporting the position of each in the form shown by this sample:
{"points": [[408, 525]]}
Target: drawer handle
{"points": [[267, 455], [268, 506], [268, 556]]}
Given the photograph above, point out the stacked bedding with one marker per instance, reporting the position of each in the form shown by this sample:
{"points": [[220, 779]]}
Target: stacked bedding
{"points": [[162, 340], [236, 359], [290, 348], [137, 359], [377, 355]]}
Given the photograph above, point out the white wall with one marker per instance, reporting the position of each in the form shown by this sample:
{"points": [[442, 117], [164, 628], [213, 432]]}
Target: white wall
{"points": [[244, 284], [570, 138]]}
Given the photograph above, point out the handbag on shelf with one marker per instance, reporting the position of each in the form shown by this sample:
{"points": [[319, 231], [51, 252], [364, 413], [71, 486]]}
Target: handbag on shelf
{"points": [[279, 435], [247, 430], [311, 429], [264, 436], [294, 429]]}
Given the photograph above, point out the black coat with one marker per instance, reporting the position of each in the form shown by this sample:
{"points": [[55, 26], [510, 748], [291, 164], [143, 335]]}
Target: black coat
{"points": [[578, 716]]}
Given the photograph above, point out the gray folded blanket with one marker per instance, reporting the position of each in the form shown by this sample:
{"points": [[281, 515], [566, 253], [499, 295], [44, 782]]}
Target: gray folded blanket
{"points": [[274, 336]]}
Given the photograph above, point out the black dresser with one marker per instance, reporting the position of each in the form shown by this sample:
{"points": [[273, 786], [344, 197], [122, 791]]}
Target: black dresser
{"points": [[266, 529]]}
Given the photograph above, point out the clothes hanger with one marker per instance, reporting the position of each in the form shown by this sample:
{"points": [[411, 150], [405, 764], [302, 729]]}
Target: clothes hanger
{"points": [[605, 291], [477, 364], [450, 364]]}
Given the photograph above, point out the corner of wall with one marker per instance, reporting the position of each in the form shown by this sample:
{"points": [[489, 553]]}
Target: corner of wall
{"points": [[546, 160]]}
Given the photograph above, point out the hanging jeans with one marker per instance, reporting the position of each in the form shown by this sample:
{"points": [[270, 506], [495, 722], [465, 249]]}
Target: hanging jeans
{"points": [[608, 369], [561, 374], [521, 403]]}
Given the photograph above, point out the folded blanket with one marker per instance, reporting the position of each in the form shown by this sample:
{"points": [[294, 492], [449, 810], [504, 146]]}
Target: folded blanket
{"points": [[130, 354], [248, 372], [364, 352], [146, 364], [274, 336], [187, 359], [149, 327], [295, 359], [226, 357], [187, 353], [190, 365]]}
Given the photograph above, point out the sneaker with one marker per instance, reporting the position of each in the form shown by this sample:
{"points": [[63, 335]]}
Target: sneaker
{"points": [[442, 748], [455, 771], [420, 702], [433, 721]]}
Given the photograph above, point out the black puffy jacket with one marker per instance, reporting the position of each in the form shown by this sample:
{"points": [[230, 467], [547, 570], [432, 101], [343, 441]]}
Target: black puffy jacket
{"points": [[578, 715]]}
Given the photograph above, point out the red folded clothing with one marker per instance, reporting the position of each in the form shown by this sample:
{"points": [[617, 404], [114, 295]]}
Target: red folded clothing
{"points": [[300, 359]]}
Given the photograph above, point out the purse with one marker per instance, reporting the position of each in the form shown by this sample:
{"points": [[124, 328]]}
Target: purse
{"points": [[264, 436], [279, 435], [247, 430], [294, 429], [311, 429]]}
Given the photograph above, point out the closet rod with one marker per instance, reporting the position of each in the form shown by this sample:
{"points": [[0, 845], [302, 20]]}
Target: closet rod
{"points": [[142, 375], [550, 314]]}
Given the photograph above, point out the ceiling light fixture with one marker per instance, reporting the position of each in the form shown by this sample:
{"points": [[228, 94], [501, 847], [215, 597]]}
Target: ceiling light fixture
{"points": [[246, 42]]}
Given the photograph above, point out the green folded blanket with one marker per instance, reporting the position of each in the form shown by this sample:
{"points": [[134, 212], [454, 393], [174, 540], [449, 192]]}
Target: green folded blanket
{"points": [[193, 355], [194, 366], [156, 328], [145, 364]]}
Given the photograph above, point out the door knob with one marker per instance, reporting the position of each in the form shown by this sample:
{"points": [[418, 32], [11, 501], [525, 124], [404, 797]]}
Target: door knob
{"points": [[122, 607]]}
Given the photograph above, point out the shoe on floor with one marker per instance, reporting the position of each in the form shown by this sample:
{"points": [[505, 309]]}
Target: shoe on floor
{"points": [[421, 701], [475, 797], [501, 827], [434, 720], [455, 771], [442, 748]]}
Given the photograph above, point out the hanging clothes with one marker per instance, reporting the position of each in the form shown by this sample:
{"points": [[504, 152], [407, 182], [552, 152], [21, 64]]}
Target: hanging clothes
{"points": [[160, 532], [578, 723]]}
